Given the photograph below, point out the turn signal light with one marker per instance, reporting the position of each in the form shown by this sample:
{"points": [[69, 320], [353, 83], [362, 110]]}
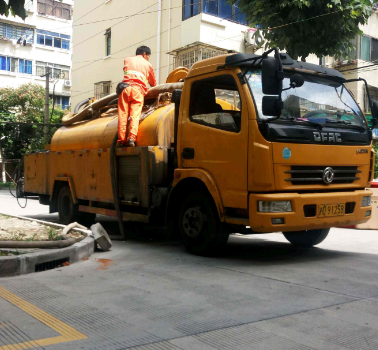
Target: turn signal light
{"points": [[366, 201]]}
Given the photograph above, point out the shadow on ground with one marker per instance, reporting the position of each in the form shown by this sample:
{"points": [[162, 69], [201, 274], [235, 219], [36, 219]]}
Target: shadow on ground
{"points": [[253, 249]]}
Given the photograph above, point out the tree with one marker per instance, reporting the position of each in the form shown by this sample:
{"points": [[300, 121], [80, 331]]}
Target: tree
{"points": [[24, 104], [14, 7], [329, 34]]}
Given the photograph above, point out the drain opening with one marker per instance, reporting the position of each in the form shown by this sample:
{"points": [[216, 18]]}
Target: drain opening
{"points": [[49, 265]]}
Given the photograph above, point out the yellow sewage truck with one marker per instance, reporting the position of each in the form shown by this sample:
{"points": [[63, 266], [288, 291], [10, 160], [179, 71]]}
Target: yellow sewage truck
{"points": [[245, 143]]}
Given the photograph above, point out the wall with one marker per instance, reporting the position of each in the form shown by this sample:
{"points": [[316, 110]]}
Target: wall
{"points": [[90, 64]]}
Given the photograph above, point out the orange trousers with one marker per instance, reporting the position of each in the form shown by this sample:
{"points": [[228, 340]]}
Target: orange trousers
{"points": [[130, 104]]}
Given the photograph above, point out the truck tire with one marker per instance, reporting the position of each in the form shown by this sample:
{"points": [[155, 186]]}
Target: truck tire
{"points": [[69, 212], [67, 209], [199, 225], [307, 238]]}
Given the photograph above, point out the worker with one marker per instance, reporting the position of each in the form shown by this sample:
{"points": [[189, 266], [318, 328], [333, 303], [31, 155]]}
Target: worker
{"points": [[137, 72]]}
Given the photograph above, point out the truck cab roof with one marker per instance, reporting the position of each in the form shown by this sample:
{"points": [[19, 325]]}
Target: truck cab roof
{"points": [[212, 65]]}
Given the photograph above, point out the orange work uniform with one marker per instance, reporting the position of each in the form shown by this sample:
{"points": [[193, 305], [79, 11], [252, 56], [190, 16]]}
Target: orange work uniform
{"points": [[137, 72]]}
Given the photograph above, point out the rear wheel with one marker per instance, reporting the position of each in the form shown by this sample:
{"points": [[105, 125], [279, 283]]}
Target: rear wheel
{"points": [[199, 225], [67, 209], [307, 238]]}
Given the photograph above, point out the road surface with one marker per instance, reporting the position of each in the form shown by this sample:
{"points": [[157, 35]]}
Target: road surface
{"points": [[147, 293]]}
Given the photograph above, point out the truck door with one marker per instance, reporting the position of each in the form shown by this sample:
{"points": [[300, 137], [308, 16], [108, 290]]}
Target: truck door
{"points": [[213, 133]]}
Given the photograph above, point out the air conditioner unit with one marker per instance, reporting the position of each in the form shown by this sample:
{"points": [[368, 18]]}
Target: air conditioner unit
{"points": [[253, 39], [68, 83]]}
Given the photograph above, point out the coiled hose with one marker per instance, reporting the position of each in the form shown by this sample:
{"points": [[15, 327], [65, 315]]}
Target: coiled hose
{"points": [[80, 104], [113, 176]]}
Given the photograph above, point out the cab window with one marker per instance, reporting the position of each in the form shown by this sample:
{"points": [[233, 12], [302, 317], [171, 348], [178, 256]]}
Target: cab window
{"points": [[216, 103]]}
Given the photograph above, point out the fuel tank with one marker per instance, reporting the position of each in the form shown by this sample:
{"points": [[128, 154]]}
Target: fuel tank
{"points": [[155, 130]]}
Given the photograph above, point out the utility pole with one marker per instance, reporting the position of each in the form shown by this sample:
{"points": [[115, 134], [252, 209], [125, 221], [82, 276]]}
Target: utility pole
{"points": [[2, 161], [47, 107]]}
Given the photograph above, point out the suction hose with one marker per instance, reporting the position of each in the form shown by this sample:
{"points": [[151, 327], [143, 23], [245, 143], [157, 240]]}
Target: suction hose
{"points": [[82, 103], [115, 185], [38, 244]]}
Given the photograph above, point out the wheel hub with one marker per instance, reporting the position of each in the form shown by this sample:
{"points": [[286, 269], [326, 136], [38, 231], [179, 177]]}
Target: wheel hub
{"points": [[193, 222]]}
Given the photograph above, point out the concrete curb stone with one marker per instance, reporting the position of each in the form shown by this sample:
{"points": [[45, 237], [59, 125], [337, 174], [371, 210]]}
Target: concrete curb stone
{"points": [[26, 263]]}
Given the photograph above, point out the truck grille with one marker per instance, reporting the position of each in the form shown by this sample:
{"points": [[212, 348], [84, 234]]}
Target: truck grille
{"points": [[313, 175]]}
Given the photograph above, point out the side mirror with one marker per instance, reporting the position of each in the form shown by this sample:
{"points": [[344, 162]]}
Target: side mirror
{"points": [[374, 111], [271, 77], [296, 80], [272, 106]]}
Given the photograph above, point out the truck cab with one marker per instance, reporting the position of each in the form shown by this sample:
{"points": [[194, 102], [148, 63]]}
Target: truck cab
{"points": [[300, 173]]}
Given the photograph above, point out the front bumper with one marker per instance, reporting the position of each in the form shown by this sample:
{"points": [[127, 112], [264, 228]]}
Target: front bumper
{"points": [[299, 218]]}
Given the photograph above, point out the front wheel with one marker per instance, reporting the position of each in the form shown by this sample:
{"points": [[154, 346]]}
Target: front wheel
{"points": [[199, 225], [307, 238]]}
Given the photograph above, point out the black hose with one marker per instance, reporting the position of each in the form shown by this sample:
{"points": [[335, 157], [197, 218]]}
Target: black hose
{"points": [[80, 104], [113, 102], [115, 185], [19, 180]]}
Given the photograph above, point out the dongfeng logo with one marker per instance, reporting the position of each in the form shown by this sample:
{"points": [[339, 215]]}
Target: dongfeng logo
{"points": [[327, 136], [328, 175]]}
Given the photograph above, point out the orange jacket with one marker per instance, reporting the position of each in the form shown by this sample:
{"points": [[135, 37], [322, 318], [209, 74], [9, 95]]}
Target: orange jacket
{"points": [[137, 72]]}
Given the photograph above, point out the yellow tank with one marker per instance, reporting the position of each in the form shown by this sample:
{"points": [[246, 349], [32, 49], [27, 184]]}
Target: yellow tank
{"points": [[156, 130]]}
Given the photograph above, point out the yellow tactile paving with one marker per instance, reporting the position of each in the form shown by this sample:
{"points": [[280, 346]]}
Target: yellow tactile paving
{"points": [[67, 333]]}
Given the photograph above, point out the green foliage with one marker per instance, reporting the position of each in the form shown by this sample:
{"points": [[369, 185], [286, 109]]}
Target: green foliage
{"points": [[54, 235], [24, 104], [13, 7], [375, 146], [7, 184], [326, 35]]}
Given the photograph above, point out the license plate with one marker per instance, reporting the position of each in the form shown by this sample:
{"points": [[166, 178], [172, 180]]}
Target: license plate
{"points": [[325, 210]]}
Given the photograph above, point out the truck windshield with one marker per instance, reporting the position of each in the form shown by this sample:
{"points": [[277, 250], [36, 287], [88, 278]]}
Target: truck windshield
{"points": [[318, 100]]}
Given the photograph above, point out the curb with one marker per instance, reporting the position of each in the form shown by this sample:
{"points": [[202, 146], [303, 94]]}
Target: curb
{"points": [[27, 263]]}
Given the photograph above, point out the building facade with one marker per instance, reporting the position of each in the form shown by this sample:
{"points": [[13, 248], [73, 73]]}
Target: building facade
{"points": [[363, 63], [179, 33], [43, 40]]}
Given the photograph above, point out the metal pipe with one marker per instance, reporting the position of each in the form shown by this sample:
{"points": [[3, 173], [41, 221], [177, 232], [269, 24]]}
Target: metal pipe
{"points": [[169, 35], [158, 43]]}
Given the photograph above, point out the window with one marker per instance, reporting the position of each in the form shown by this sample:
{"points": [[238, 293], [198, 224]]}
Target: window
{"points": [[61, 101], [102, 89], [191, 8], [108, 36], [369, 48], [216, 103], [10, 31], [25, 66], [187, 57], [60, 41], [48, 40], [219, 8], [56, 70], [54, 8], [65, 102], [12, 64]]}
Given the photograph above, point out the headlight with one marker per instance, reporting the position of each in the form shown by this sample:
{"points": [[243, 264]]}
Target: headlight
{"points": [[366, 201], [274, 206]]}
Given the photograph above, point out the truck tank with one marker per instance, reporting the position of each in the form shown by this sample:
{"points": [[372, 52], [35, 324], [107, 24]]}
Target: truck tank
{"points": [[155, 130]]}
